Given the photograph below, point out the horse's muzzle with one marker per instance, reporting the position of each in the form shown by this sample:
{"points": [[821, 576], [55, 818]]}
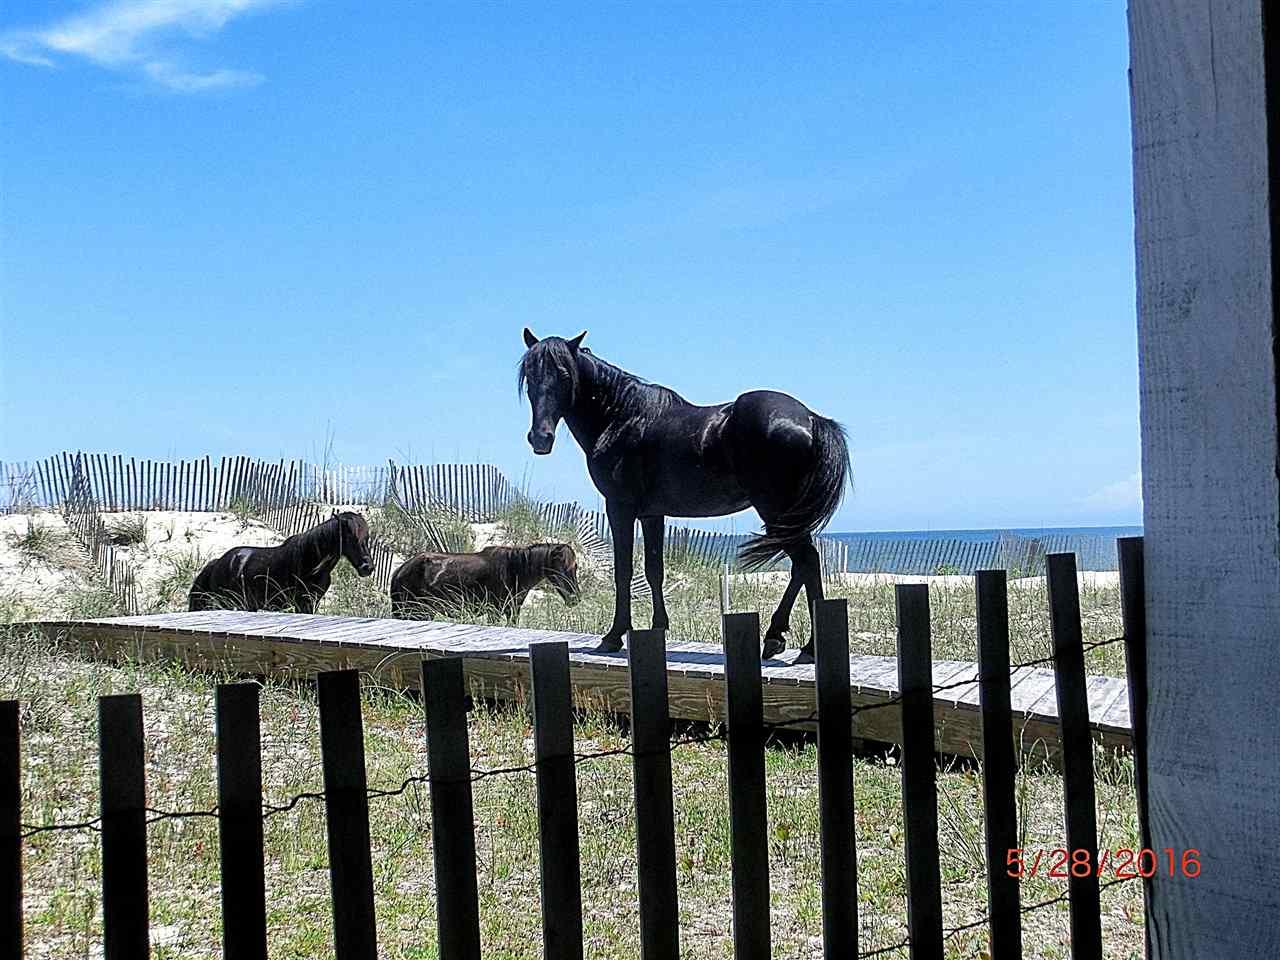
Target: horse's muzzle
{"points": [[365, 569], [541, 442]]}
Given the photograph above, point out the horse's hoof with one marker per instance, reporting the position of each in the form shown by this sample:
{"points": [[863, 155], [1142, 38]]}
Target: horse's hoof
{"points": [[805, 655], [772, 647], [609, 645]]}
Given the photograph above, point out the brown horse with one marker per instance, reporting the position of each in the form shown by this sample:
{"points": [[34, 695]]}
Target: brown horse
{"points": [[295, 574], [499, 577]]}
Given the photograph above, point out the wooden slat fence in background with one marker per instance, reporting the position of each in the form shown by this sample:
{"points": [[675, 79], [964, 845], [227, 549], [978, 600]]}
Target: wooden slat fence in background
{"points": [[480, 493], [80, 511]]}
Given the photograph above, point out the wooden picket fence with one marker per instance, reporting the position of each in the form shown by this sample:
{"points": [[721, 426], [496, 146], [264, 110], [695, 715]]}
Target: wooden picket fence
{"points": [[118, 483], [479, 493], [1020, 555], [240, 811], [80, 511]]}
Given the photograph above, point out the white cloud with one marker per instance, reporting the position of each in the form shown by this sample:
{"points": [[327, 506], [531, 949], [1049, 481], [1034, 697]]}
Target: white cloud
{"points": [[1124, 494], [140, 36]]}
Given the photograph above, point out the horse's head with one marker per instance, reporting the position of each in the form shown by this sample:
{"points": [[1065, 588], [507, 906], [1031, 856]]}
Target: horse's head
{"points": [[562, 572], [353, 541], [549, 374]]}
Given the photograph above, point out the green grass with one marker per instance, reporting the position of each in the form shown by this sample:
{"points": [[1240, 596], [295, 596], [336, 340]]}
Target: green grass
{"points": [[243, 509], [63, 871], [520, 523], [42, 542], [128, 530], [445, 530], [171, 590]]}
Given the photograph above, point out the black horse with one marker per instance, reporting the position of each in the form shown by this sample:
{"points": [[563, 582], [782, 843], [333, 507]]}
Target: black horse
{"points": [[652, 454], [294, 574], [498, 577]]}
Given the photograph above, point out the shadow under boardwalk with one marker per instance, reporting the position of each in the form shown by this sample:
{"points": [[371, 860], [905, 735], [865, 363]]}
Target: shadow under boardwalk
{"points": [[496, 661]]}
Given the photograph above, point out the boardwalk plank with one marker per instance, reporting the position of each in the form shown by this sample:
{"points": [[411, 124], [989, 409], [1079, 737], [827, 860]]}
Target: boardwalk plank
{"points": [[496, 661]]}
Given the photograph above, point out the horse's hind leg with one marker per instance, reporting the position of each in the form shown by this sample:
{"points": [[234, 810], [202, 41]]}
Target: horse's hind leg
{"points": [[653, 529], [806, 572], [805, 561], [775, 640]]}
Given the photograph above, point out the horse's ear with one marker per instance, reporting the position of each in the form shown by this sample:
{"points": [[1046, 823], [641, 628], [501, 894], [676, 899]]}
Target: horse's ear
{"points": [[576, 341], [529, 338]]}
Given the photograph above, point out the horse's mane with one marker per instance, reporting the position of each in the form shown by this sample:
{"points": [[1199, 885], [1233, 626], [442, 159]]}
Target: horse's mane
{"points": [[629, 402], [325, 531]]}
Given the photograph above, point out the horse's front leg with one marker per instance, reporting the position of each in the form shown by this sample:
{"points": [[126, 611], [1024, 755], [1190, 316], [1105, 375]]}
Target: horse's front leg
{"points": [[654, 530], [622, 523]]}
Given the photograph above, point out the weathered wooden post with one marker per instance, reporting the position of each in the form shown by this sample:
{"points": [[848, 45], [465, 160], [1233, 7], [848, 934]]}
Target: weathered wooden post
{"points": [[1205, 82]]}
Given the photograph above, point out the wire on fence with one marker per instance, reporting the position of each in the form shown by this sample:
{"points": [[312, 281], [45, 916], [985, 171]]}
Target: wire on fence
{"points": [[714, 735]]}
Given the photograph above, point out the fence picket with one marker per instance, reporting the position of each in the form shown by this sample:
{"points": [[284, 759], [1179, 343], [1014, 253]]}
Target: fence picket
{"points": [[60, 473], [557, 801], [999, 763], [124, 828], [748, 812], [95, 471], [42, 484], [655, 805], [452, 823], [239, 738], [10, 831], [1134, 615], [97, 465], [117, 482], [835, 780], [919, 786], [347, 815], [1077, 753]]}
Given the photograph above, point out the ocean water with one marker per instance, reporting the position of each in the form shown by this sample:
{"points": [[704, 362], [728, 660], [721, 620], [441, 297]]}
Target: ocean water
{"points": [[1109, 533], [963, 551]]}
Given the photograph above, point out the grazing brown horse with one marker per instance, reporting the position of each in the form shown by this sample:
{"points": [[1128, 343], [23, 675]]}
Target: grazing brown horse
{"points": [[295, 574], [498, 577], [653, 454]]}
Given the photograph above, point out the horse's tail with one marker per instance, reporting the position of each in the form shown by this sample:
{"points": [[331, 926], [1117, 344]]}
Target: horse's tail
{"points": [[819, 498]]}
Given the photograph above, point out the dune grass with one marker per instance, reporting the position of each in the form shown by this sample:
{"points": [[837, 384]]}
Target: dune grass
{"points": [[129, 529], [58, 695], [43, 542], [63, 870], [438, 530]]}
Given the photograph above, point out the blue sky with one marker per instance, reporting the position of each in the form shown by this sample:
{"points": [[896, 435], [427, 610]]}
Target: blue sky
{"points": [[234, 226]]}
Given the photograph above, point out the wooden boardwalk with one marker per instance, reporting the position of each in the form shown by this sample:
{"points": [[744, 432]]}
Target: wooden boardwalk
{"points": [[496, 661]]}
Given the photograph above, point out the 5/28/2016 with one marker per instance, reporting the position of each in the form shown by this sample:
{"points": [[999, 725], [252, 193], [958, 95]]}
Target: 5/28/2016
{"points": [[1126, 864]]}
